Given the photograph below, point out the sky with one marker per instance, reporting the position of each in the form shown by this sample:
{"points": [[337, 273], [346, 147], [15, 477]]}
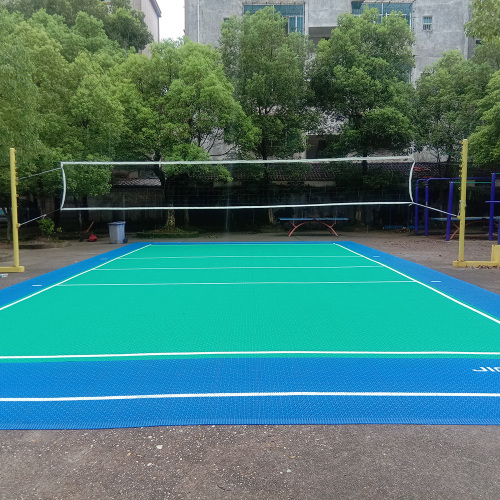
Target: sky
{"points": [[172, 18]]}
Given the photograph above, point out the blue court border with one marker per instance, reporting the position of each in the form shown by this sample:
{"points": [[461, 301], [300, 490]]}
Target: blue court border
{"points": [[472, 397], [437, 391]]}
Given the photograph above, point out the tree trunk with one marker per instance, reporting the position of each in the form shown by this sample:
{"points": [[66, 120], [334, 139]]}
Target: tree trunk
{"points": [[169, 201], [270, 215], [170, 224]]}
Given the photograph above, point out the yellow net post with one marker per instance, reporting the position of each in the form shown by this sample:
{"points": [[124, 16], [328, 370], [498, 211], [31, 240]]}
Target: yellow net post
{"points": [[16, 268], [495, 251]]}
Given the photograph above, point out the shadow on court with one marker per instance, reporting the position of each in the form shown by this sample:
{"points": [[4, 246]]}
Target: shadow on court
{"points": [[282, 462]]}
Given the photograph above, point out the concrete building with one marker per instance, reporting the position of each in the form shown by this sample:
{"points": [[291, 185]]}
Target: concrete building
{"points": [[152, 14], [438, 24]]}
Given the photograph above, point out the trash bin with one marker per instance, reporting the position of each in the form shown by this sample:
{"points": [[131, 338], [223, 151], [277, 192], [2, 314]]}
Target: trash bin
{"points": [[117, 232]]}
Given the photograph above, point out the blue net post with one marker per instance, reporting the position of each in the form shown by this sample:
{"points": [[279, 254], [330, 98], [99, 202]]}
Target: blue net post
{"points": [[416, 208], [492, 206], [426, 210], [450, 207]]}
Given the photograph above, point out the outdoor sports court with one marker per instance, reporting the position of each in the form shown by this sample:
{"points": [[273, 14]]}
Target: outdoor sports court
{"points": [[247, 333]]}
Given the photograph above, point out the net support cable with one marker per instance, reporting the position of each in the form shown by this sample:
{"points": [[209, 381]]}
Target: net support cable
{"points": [[62, 198]]}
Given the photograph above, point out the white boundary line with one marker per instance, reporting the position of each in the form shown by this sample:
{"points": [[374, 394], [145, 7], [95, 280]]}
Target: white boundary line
{"points": [[449, 297], [242, 283], [254, 395], [68, 279], [248, 257], [230, 267], [253, 353]]}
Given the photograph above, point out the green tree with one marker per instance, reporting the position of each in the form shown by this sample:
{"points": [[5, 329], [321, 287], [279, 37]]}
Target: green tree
{"points": [[74, 110], [198, 112], [485, 24], [86, 34], [188, 99], [120, 22], [151, 78], [485, 141], [188, 109], [96, 114], [126, 26], [485, 20], [19, 126], [361, 80], [268, 70], [447, 99], [68, 9], [199, 107]]}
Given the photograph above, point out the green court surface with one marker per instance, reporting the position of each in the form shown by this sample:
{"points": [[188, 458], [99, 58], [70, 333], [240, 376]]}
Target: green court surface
{"points": [[295, 299]]}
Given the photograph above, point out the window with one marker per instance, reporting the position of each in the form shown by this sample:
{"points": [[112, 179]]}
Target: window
{"points": [[427, 23], [294, 14], [384, 8]]}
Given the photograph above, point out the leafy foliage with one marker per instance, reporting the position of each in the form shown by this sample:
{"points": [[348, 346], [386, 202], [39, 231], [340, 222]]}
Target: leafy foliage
{"points": [[48, 227], [485, 141], [128, 28], [199, 106], [268, 71], [485, 20], [121, 23], [447, 99], [361, 80], [18, 102]]}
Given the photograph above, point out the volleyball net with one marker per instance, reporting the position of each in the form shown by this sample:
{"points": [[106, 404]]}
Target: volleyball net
{"points": [[250, 184], [373, 190]]}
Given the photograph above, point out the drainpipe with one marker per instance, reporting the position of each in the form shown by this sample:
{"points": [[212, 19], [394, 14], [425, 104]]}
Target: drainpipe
{"points": [[198, 21]]}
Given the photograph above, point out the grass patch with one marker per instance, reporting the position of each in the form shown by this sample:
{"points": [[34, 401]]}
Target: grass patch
{"points": [[172, 233]]}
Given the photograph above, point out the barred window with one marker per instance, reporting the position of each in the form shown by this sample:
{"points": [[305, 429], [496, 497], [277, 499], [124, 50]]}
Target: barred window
{"points": [[294, 14], [384, 9], [427, 23]]}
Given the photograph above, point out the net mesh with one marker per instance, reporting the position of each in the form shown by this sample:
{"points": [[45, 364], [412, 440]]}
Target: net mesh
{"points": [[272, 184]]}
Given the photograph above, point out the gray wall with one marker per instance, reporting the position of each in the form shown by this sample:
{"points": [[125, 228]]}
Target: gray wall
{"points": [[448, 19], [204, 17]]}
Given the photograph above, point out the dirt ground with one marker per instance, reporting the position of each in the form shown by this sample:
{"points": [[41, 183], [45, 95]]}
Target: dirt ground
{"points": [[258, 462]]}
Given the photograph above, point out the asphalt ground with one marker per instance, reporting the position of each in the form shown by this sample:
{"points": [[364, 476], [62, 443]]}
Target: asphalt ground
{"points": [[250, 462]]}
